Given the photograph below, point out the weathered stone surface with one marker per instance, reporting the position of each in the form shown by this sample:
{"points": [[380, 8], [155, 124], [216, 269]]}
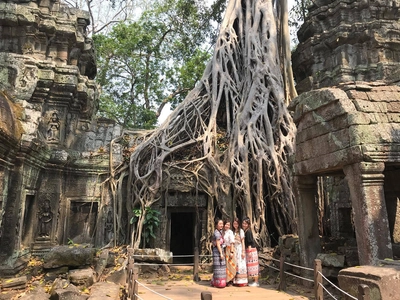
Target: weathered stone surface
{"points": [[343, 40], [101, 262], [104, 290], [83, 277], [331, 260], [118, 277], [14, 283], [58, 272], [383, 281], [38, 293], [69, 293], [153, 255], [72, 256]]}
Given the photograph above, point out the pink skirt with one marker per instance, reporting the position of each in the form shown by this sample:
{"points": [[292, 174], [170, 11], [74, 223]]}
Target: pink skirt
{"points": [[252, 262]]}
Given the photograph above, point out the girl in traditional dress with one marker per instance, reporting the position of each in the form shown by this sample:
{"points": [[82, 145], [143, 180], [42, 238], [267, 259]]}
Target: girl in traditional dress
{"points": [[241, 268], [219, 265], [251, 253], [230, 257]]}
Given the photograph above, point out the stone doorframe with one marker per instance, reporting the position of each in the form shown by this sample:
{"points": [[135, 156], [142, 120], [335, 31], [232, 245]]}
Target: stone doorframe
{"points": [[355, 130], [365, 180]]}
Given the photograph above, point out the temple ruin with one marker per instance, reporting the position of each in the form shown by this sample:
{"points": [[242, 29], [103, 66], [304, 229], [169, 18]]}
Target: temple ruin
{"points": [[53, 154], [347, 115]]}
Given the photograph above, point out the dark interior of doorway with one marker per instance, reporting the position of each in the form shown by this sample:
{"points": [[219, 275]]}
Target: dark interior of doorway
{"points": [[182, 237]]}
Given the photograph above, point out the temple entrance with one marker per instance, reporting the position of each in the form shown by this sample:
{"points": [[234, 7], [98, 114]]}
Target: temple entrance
{"points": [[182, 236], [28, 219]]}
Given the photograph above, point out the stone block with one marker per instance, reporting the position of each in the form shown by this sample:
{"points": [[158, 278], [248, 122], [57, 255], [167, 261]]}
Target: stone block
{"points": [[153, 255], [104, 290], [321, 128], [37, 293], [383, 281], [71, 256], [331, 260], [118, 277], [55, 273], [83, 277], [14, 283]]}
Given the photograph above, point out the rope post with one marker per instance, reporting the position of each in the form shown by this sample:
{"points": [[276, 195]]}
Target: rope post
{"points": [[363, 292], [318, 290], [196, 265], [282, 276], [130, 271], [135, 284], [206, 296]]}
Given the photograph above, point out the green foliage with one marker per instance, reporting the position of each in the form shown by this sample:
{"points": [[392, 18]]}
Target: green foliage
{"points": [[150, 223], [143, 63]]}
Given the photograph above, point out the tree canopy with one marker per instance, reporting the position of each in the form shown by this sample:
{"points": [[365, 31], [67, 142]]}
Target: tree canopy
{"points": [[144, 64]]}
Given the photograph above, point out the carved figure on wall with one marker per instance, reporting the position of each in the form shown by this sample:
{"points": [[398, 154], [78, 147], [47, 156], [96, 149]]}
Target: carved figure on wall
{"points": [[109, 227], [45, 219], [53, 128]]}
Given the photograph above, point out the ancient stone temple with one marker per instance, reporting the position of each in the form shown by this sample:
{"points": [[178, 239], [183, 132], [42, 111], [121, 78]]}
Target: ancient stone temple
{"points": [[346, 68], [53, 155]]}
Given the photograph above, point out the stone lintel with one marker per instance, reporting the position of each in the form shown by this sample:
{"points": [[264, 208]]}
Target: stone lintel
{"points": [[329, 162]]}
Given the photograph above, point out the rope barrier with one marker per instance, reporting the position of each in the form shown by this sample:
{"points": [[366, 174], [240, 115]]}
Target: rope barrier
{"points": [[300, 277], [273, 268], [326, 290], [151, 264], [274, 259], [186, 255], [137, 296], [154, 292], [339, 289], [300, 267]]}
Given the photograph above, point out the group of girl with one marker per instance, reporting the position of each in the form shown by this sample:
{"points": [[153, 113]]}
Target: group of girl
{"points": [[235, 258]]}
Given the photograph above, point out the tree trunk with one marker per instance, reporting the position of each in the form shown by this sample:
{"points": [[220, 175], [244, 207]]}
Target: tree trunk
{"points": [[237, 119]]}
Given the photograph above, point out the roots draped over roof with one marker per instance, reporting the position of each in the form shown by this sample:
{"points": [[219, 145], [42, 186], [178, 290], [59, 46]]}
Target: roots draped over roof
{"points": [[235, 124]]}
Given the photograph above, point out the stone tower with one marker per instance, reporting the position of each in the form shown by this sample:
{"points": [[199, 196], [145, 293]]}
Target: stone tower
{"points": [[342, 41], [53, 153]]}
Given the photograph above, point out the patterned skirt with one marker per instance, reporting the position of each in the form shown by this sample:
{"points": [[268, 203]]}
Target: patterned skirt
{"points": [[219, 270], [252, 262], [230, 263], [241, 268]]}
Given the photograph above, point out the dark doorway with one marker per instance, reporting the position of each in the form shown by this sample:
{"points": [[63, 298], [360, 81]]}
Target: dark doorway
{"points": [[27, 228], [182, 236]]}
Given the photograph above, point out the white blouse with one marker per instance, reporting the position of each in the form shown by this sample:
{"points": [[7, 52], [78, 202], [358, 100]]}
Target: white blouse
{"points": [[229, 237]]}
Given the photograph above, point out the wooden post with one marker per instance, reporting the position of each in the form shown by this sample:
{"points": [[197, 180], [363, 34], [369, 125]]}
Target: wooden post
{"points": [[318, 290], [196, 265], [282, 276], [130, 276], [363, 292], [206, 296], [135, 284]]}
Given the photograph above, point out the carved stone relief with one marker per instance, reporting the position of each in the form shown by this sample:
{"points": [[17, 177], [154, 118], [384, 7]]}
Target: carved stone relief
{"points": [[53, 128], [45, 218]]}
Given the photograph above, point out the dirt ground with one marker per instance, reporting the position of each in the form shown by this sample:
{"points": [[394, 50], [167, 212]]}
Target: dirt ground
{"points": [[180, 286]]}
